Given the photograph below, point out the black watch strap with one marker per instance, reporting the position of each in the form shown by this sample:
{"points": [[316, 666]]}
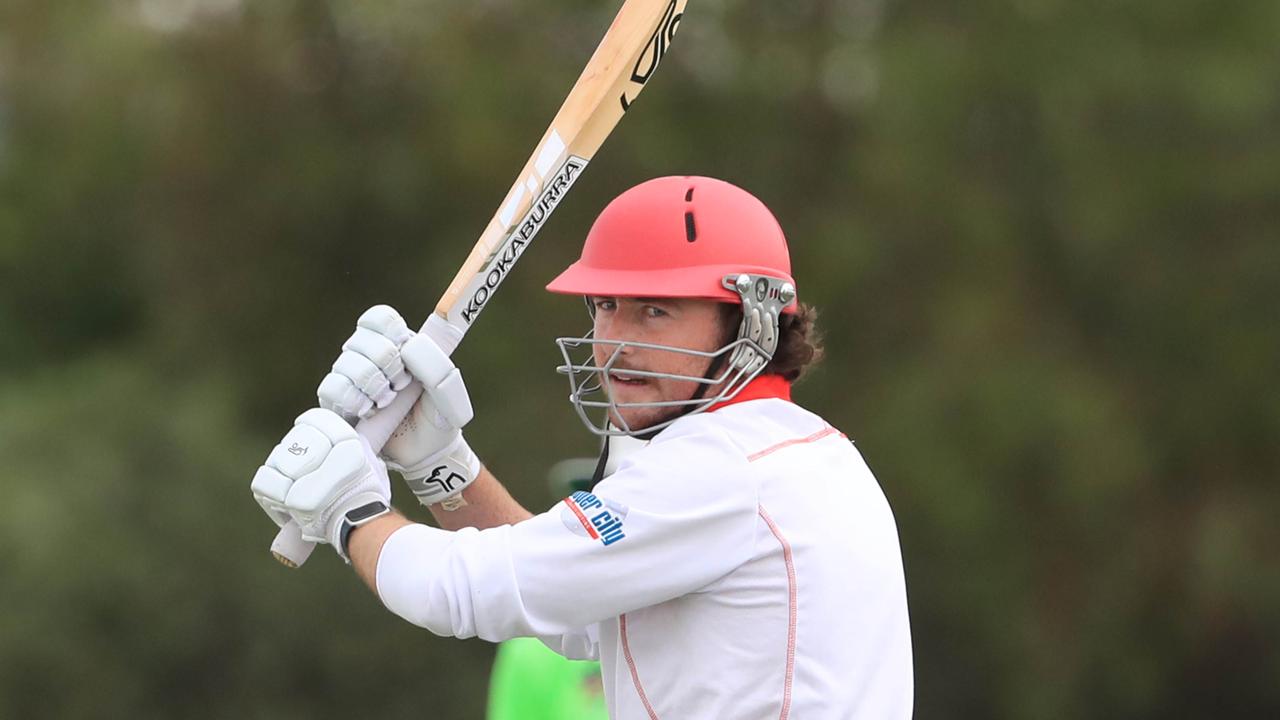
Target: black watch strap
{"points": [[354, 519]]}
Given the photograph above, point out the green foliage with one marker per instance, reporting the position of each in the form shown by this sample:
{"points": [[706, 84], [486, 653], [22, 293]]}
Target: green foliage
{"points": [[1044, 235]]}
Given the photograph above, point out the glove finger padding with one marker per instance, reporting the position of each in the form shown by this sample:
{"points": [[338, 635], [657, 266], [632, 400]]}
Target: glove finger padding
{"points": [[301, 451], [385, 321], [314, 491], [367, 377], [369, 372], [383, 352], [269, 488], [337, 394]]}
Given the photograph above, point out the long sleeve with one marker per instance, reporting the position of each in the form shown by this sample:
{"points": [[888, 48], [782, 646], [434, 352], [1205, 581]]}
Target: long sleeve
{"points": [[673, 518]]}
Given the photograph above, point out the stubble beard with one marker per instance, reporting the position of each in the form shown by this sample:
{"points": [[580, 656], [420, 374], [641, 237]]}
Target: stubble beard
{"points": [[648, 417]]}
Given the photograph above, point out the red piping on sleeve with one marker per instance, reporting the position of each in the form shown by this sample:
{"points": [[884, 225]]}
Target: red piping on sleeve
{"points": [[795, 441]]}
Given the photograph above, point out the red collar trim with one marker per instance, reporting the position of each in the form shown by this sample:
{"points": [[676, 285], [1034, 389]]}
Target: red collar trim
{"points": [[764, 386]]}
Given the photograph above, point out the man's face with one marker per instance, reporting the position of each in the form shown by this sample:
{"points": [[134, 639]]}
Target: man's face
{"points": [[676, 322]]}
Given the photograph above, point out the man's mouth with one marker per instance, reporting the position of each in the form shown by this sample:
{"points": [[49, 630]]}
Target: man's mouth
{"points": [[626, 379]]}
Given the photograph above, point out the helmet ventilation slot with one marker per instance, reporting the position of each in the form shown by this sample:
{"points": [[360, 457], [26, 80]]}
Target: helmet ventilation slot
{"points": [[690, 228]]}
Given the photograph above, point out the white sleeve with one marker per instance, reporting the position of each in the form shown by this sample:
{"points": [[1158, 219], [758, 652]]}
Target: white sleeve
{"points": [[672, 519]]}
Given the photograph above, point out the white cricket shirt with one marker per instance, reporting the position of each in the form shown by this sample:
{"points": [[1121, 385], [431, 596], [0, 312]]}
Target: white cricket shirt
{"points": [[743, 565]]}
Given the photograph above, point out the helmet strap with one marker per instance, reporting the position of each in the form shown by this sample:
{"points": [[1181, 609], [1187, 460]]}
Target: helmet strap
{"points": [[598, 475]]}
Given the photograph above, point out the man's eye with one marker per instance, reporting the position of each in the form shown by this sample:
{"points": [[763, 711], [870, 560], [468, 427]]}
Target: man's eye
{"points": [[604, 304], [654, 311]]}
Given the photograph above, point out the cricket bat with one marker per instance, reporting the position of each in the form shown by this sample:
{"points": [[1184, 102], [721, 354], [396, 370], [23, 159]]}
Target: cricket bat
{"points": [[616, 73]]}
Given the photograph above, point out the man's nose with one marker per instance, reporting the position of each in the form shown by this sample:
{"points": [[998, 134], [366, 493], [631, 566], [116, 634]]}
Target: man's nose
{"points": [[611, 328], [616, 331]]}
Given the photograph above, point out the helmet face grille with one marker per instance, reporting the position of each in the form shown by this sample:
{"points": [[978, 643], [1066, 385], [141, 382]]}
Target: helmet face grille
{"points": [[730, 368], [589, 382]]}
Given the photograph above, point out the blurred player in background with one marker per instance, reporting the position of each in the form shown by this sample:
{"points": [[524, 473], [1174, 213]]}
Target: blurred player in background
{"points": [[531, 682], [743, 563]]}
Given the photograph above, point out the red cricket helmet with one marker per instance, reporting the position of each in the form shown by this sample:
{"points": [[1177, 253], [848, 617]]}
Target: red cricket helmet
{"points": [[678, 236]]}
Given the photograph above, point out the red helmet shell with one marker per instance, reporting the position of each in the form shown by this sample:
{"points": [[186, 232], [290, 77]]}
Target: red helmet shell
{"points": [[678, 237]]}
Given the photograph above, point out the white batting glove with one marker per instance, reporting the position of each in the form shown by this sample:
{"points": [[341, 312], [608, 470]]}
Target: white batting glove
{"points": [[427, 448], [325, 478]]}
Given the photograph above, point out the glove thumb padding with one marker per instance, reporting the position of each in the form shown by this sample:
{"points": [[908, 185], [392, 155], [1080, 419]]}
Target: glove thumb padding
{"points": [[440, 378]]}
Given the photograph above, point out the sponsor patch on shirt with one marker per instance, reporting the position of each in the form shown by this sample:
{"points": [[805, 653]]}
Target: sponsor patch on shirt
{"points": [[586, 514]]}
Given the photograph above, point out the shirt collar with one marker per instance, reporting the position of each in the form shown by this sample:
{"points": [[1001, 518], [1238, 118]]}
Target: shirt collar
{"points": [[764, 386]]}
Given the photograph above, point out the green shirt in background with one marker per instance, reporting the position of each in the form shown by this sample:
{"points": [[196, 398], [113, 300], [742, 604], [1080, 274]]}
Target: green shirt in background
{"points": [[531, 682]]}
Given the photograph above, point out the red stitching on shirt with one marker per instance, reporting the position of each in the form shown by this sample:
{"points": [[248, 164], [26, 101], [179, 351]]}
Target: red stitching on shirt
{"points": [[635, 676], [795, 441], [793, 611]]}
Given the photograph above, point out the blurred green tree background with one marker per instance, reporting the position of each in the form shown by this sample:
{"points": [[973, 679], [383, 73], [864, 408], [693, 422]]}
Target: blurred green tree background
{"points": [[1045, 234]]}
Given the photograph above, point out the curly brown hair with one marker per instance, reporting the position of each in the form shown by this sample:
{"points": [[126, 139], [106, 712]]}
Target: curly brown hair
{"points": [[799, 341]]}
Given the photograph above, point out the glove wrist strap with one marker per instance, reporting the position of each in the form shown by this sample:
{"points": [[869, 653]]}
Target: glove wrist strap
{"points": [[441, 478]]}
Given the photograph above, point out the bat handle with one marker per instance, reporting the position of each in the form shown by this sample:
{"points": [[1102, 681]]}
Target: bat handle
{"points": [[289, 548]]}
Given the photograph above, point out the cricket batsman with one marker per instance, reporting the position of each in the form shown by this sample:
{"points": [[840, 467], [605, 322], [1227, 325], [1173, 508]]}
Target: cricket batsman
{"points": [[740, 561]]}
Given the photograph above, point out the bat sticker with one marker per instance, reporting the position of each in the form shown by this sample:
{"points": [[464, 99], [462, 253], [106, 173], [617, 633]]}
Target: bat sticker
{"points": [[505, 256], [652, 55]]}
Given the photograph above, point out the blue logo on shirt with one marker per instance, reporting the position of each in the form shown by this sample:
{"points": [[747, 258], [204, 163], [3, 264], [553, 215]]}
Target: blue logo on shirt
{"points": [[601, 520]]}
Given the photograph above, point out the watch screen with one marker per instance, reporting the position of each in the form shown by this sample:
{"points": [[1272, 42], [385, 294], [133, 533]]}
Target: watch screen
{"points": [[364, 512]]}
